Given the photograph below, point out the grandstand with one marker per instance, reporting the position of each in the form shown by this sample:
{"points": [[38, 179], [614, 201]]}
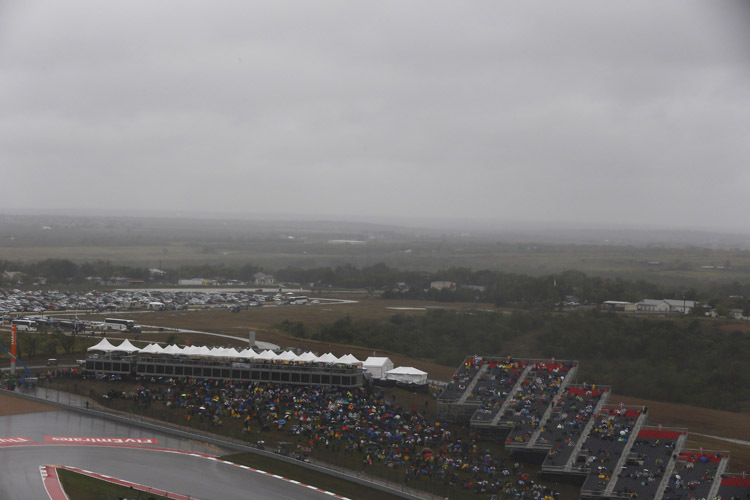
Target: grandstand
{"points": [[536, 408], [561, 433], [531, 405], [695, 473], [733, 487], [651, 456], [607, 445]]}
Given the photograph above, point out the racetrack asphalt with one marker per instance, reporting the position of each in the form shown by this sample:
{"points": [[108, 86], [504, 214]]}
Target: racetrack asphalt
{"points": [[190, 475]]}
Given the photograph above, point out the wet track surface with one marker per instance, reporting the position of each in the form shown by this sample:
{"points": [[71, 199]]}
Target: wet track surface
{"points": [[198, 477]]}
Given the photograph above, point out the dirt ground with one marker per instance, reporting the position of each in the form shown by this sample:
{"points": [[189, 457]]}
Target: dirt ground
{"points": [[10, 405]]}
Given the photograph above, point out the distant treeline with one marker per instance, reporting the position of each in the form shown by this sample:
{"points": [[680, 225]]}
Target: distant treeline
{"points": [[688, 362], [495, 287]]}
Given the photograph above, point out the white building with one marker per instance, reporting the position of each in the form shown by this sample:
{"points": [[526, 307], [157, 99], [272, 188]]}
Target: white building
{"points": [[263, 279], [407, 375], [377, 367], [665, 306], [193, 282]]}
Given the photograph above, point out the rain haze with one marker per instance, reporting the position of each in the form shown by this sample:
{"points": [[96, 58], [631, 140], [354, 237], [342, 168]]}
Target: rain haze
{"points": [[604, 113]]}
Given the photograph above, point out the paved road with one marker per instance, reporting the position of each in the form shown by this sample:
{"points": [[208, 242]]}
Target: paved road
{"points": [[197, 477]]}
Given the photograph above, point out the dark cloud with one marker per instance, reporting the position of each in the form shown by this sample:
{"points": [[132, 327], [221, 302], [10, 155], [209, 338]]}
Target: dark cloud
{"points": [[589, 111]]}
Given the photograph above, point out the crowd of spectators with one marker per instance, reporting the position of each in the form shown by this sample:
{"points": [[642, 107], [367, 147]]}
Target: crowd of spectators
{"points": [[693, 475], [647, 463], [605, 444], [364, 425], [494, 387], [569, 418], [537, 391]]}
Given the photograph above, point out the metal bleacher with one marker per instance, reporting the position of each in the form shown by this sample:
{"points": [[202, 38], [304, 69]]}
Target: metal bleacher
{"points": [[534, 408], [696, 472], [564, 432], [607, 446], [532, 404], [650, 456]]}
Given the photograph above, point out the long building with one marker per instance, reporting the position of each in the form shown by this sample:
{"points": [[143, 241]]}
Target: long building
{"points": [[338, 375]]}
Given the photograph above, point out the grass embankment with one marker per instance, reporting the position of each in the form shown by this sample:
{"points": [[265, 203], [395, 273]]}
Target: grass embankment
{"points": [[81, 487], [311, 477]]}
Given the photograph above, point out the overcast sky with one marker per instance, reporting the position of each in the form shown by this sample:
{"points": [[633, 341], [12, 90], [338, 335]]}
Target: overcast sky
{"points": [[594, 112]]}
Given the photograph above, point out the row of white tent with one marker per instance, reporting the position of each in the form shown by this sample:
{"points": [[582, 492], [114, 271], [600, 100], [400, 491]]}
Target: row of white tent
{"points": [[378, 367], [223, 352]]}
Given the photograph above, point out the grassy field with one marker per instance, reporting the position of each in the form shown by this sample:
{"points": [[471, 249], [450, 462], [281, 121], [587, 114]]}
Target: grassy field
{"points": [[689, 266], [311, 477], [80, 487], [262, 321]]}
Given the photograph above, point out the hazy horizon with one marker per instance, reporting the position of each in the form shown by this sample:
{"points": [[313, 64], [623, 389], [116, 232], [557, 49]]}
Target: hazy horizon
{"points": [[481, 114]]}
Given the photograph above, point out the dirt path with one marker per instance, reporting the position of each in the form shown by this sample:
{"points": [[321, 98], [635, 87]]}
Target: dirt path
{"points": [[10, 405]]}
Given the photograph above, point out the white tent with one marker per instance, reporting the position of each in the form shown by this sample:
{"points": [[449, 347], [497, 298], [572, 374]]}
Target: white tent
{"points": [[248, 353], [103, 346], [220, 352], [267, 355], [203, 351], [377, 367], [152, 349], [348, 359], [306, 357], [287, 356], [231, 352], [191, 350], [126, 346], [327, 358], [407, 374], [172, 349]]}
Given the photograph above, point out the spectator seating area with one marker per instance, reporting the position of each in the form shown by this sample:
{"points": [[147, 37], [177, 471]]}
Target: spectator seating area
{"points": [[570, 415], [694, 474], [461, 380], [734, 487], [605, 444], [532, 402], [649, 459], [539, 410], [494, 387]]}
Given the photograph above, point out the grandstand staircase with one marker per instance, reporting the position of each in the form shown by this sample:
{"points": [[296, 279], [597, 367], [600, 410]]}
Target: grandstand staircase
{"points": [[511, 395], [470, 388], [639, 423], [720, 470], [569, 377], [669, 469], [586, 430]]}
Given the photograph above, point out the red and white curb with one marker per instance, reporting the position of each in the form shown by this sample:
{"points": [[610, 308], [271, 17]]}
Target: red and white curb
{"points": [[122, 482], [52, 483], [55, 491]]}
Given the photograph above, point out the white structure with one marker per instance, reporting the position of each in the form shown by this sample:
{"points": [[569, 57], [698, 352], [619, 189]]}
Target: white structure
{"points": [[407, 375], [262, 279], [326, 358], [443, 285], [652, 306], [193, 282], [103, 346], [665, 306], [377, 367], [127, 347], [349, 359]]}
